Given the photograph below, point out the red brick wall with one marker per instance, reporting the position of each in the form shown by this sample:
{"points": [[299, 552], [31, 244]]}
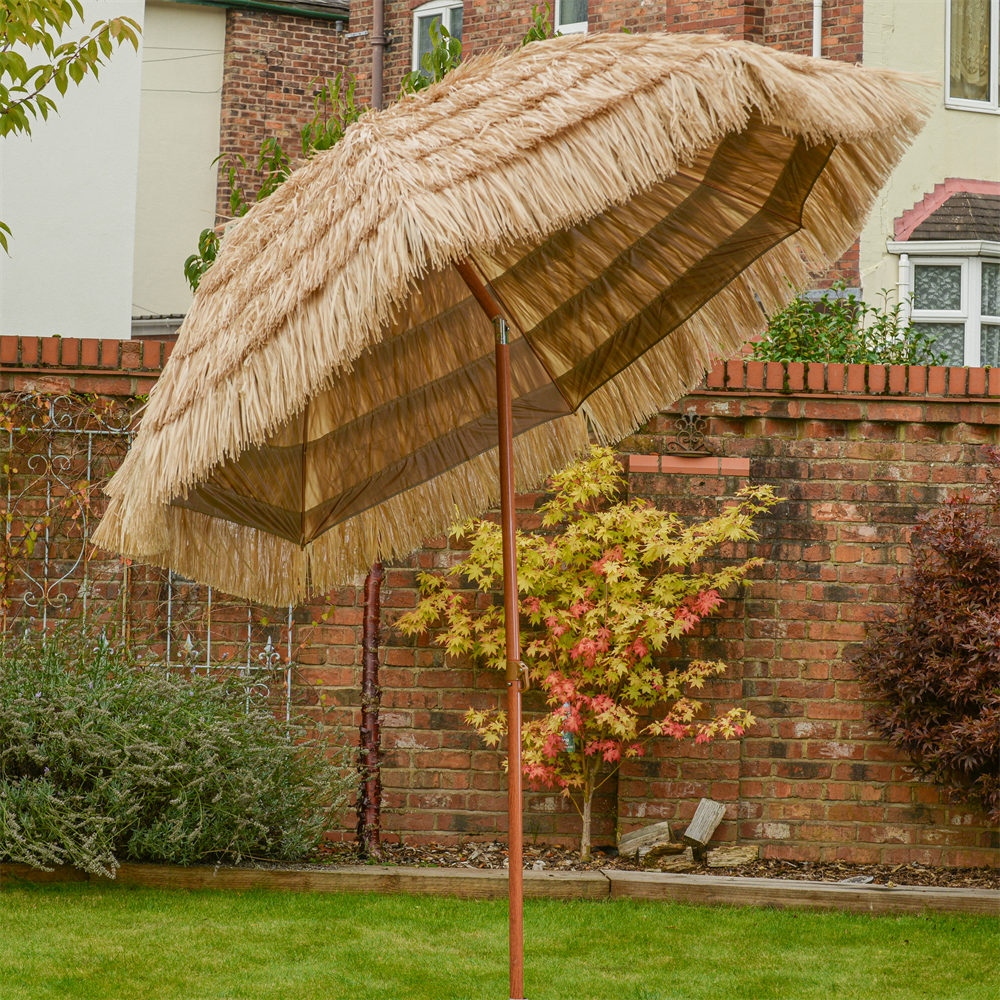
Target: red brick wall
{"points": [[788, 25], [858, 452], [110, 367]]}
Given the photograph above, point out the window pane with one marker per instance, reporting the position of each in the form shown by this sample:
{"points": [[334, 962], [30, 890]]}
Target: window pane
{"points": [[572, 11], [424, 43], [949, 340], [937, 286], [970, 49], [455, 16], [991, 289], [990, 350]]}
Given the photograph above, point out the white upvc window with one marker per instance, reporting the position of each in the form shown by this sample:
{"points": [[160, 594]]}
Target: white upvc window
{"points": [[972, 55], [954, 296], [571, 16], [445, 12]]}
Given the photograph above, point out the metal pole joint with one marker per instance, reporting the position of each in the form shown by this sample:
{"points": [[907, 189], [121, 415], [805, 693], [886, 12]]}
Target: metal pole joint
{"points": [[517, 673], [500, 330]]}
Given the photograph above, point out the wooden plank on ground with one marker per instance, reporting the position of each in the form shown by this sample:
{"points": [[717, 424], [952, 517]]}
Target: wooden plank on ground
{"points": [[492, 884], [780, 893], [468, 884], [644, 838], [11, 874]]}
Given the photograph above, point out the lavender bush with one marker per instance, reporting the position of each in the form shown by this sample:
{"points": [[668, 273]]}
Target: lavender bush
{"points": [[103, 762]]}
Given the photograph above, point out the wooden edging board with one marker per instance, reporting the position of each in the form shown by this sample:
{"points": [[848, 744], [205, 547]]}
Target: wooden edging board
{"points": [[605, 884], [779, 893]]}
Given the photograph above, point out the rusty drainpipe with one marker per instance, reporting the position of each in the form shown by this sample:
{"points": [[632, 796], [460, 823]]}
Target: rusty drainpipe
{"points": [[378, 52], [370, 779], [369, 775]]}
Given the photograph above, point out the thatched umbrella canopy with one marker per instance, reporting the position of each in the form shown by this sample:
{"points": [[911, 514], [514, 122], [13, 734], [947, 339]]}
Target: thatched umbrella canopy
{"points": [[590, 222], [633, 201]]}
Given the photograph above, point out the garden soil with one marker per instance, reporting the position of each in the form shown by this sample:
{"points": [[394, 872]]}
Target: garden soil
{"points": [[493, 855]]}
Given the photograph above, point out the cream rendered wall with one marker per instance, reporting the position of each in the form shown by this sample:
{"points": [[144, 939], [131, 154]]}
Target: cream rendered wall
{"points": [[910, 35], [68, 194], [178, 139]]}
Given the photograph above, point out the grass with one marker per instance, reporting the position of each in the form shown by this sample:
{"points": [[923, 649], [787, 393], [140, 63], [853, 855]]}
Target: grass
{"points": [[78, 942]]}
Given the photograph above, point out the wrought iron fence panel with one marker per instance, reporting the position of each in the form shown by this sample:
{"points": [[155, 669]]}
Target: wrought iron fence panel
{"points": [[56, 454]]}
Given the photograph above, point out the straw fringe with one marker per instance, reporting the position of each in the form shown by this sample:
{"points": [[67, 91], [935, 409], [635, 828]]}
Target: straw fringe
{"points": [[259, 566], [415, 188]]}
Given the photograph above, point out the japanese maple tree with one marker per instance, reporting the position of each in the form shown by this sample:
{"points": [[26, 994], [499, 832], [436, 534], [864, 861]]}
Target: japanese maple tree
{"points": [[603, 589]]}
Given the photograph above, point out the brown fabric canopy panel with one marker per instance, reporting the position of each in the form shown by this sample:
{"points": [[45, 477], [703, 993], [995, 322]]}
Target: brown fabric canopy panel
{"points": [[585, 303], [635, 204]]}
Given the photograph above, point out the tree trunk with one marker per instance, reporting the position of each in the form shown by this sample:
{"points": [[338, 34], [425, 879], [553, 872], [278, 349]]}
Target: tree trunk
{"points": [[369, 776], [588, 799]]}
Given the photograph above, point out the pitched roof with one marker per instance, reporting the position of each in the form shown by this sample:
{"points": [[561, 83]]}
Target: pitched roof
{"points": [[964, 216]]}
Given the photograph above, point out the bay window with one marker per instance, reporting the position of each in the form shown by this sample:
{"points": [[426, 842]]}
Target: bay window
{"points": [[954, 290]]}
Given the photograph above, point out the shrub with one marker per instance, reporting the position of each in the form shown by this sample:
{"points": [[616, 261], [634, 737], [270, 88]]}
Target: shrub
{"points": [[102, 762], [603, 595], [845, 331], [936, 666]]}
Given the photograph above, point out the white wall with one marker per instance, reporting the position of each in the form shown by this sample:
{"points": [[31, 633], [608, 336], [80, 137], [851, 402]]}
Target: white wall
{"points": [[68, 194], [910, 35], [178, 140]]}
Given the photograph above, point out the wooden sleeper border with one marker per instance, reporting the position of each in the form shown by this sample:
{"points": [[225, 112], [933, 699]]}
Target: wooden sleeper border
{"points": [[492, 884]]}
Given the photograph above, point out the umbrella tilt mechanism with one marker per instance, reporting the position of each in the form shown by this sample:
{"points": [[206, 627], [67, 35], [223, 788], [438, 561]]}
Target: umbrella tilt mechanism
{"points": [[512, 637]]}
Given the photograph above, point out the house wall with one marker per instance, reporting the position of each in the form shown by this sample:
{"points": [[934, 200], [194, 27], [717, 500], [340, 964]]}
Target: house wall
{"points": [[68, 193], [178, 140], [858, 453], [272, 63], [910, 35]]}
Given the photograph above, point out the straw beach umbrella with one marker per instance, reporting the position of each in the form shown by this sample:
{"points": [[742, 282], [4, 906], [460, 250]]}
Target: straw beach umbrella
{"points": [[566, 236]]}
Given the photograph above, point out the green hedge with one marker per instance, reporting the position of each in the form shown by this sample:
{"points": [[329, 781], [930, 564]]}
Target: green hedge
{"points": [[103, 762]]}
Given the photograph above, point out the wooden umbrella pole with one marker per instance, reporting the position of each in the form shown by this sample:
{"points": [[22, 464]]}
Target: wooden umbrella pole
{"points": [[505, 426], [515, 850]]}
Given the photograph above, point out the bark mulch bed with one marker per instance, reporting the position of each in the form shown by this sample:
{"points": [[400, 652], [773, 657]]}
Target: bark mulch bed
{"points": [[493, 855]]}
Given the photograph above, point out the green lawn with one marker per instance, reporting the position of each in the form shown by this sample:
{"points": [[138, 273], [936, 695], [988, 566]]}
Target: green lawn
{"points": [[78, 941]]}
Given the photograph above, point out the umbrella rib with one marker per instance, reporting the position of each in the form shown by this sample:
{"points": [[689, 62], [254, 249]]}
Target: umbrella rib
{"points": [[490, 299]]}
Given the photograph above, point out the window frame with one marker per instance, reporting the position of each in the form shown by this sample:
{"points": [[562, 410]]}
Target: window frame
{"points": [[971, 255], [992, 105], [572, 27], [442, 7]]}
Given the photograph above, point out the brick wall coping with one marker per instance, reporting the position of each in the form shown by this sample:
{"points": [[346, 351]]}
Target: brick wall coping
{"points": [[73, 355], [854, 381]]}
